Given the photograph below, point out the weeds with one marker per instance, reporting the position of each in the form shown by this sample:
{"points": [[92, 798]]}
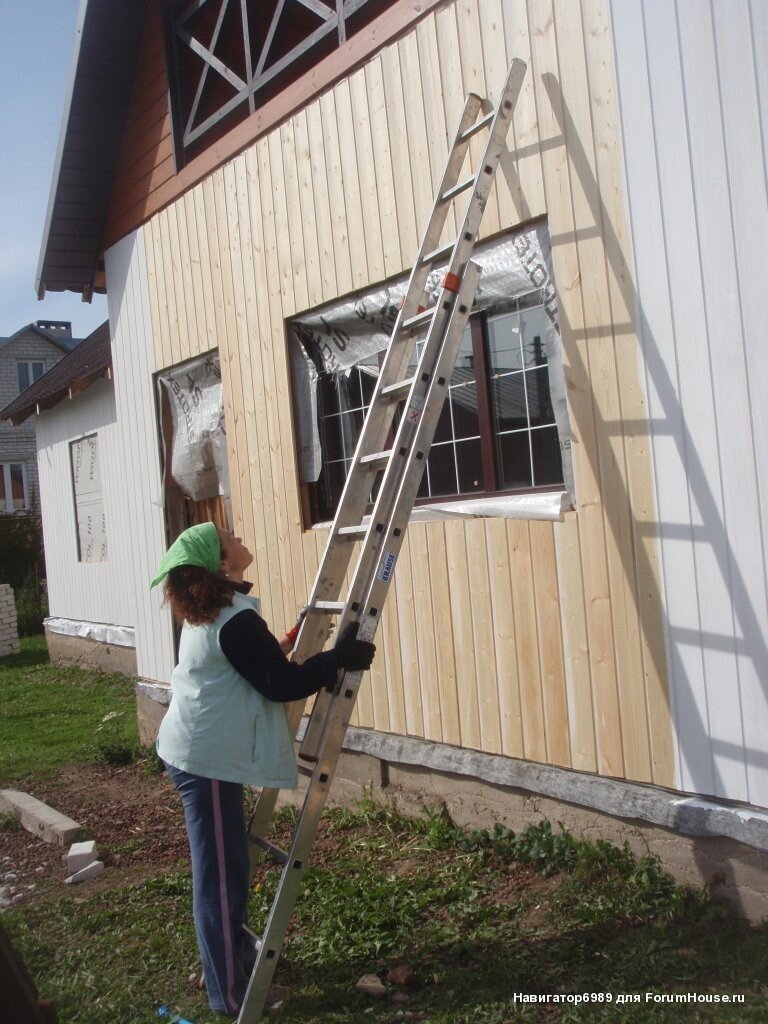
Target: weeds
{"points": [[480, 916], [462, 919]]}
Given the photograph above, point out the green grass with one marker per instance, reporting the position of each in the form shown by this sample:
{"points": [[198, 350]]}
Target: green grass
{"points": [[51, 716], [118, 956], [479, 916]]}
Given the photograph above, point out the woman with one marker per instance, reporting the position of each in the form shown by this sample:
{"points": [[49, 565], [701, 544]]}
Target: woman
{"points": [[226, 727]]}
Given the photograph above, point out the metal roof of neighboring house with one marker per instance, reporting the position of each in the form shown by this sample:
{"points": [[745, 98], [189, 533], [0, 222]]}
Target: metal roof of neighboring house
{"points": [[87, 362], [101, 77]]}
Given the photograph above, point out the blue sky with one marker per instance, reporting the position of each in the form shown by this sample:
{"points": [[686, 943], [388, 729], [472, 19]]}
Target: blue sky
{"points": [[36, 45]]}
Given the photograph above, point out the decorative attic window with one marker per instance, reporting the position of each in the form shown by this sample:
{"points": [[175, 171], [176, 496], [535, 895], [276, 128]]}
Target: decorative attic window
{"points": [[226, 58]]}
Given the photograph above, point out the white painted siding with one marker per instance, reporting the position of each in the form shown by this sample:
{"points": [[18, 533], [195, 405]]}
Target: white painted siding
{"points": [[88, 592], [143, 532], [693, 92]]}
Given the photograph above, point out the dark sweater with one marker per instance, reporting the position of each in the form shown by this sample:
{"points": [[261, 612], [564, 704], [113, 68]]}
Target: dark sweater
{"points": [[255, 653]]}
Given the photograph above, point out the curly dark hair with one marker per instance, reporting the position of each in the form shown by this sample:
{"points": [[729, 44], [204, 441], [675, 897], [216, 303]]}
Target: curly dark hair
{"points": [[196, 595]]}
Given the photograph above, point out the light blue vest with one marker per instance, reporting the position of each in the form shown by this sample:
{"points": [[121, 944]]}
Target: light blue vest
{"points": [[217, 725]]}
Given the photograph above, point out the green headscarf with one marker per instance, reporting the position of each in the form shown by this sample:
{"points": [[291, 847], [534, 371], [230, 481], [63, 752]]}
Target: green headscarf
{"points": [[199, 545]]}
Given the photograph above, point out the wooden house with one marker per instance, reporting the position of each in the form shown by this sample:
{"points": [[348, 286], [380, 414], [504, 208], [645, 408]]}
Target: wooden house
{"points": [[579, 620]]}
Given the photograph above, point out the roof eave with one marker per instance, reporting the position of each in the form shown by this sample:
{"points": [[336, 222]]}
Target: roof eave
{"points": [[107, 42], [40, 287]]}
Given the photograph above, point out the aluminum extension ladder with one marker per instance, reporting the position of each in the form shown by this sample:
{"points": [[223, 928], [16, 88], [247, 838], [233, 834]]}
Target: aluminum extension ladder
{"points": [[398, 470]]}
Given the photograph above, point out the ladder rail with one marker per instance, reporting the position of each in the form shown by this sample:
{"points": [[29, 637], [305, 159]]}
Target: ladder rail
{"points": [[343, 701], [352, 503], [399, 474], [353, 500], [315, 630], [398, 491]]}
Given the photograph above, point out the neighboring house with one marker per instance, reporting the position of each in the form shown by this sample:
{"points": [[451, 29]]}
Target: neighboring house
{"points": [[579, 620], [25, 357], [71, 410]]}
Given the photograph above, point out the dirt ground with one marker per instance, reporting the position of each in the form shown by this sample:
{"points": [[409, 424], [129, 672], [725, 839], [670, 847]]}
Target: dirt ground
{"points": [[134, 817]]}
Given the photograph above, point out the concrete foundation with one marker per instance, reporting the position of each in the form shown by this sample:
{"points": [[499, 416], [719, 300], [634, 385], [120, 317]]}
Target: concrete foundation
{"points": [[87, 653], [725, 848], [728, 869]]}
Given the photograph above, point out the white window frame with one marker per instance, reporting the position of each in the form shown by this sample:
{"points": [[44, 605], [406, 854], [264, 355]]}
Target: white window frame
{"points": [[5, 468]]}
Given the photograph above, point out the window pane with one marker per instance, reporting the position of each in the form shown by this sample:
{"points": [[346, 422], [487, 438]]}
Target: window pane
{"points": [[369, 374], [38, 369], [533, 329], [22, 371], [442, 470], [508, 403], [516, 340], [547, 460], [444, 431], [343, 391], [17, 486], [331, 483], [514, 459], [505, 351], [470, 462], [540, 409], [351, 425], [330, 437], [466, 422]]}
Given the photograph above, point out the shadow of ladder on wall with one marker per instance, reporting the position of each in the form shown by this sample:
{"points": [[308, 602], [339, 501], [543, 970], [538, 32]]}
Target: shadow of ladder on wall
{"points": [[396, 471]]}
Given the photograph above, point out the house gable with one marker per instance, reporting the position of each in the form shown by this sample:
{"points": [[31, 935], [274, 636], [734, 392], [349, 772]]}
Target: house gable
{"points": [[119, 107]]}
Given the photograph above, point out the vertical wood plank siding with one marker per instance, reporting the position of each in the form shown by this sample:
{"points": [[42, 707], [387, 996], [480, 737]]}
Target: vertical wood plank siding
{"points": [[693, 104], [531, 639]]}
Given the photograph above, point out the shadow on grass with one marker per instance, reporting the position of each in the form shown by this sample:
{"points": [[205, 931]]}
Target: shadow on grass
{"points": [[583, 970], [34, 651]]}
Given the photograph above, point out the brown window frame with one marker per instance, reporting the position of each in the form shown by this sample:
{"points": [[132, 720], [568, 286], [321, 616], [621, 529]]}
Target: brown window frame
{"points": [[317, 509]]}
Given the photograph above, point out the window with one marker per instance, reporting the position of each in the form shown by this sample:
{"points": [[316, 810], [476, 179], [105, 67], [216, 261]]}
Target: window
{"points": [[14, 495], [27, 372], [89, 500], [503, 428], [194, 444], [225, 60], [497, 429]]}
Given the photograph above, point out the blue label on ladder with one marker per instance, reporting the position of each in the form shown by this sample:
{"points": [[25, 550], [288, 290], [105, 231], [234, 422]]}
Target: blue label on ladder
{"points": [[386, 567]]}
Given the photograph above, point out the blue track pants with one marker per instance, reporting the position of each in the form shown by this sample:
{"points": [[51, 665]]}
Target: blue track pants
{"points": [[215, 821]]}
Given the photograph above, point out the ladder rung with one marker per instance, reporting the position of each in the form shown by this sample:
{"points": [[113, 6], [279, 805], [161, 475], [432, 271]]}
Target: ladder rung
{"points": [[353, 531], [420, 318], [451, 193], [255, 939], [330, 607], [376, 460], [437, 254], [477, 126], [303, 770], [270, 848], [397, 392]]}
